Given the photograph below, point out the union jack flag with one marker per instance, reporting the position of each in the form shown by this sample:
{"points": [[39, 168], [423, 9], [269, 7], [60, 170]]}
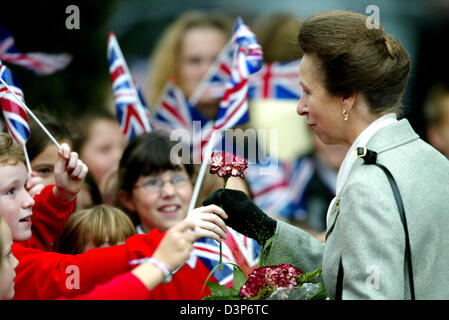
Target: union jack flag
{"points": [[277, 80], [132, 113], [173, 111], [237, 249], [282, 193], [40, 63], [246, 61], [15, 115]]}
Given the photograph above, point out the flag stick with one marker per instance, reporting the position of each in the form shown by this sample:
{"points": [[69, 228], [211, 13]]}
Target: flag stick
{"points": [[27, 159], [199, 90], [199, 180], [31, 113]]}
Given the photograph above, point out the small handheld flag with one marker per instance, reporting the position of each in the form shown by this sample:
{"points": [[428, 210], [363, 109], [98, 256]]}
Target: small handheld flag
{"points": [[131, 111], [40, 63]]}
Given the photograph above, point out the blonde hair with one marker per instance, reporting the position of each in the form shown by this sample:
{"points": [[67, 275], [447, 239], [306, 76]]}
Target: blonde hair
{"points": [[10, 153], [100, 224], [164, 59]]}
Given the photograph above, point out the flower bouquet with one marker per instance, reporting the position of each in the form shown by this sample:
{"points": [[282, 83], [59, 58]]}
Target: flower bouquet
{"points": [[275, 282], [270, 282]]}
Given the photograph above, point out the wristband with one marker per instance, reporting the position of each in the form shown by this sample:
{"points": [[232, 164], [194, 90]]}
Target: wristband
{"points": [[163, 267]]}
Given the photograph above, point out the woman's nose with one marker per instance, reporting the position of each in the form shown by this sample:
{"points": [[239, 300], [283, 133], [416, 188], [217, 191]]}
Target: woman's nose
{"points": [[301, 109]]}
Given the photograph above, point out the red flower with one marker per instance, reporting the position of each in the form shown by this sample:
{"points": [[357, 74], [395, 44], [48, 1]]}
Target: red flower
{"points": [[226, 164], [283, 275]]}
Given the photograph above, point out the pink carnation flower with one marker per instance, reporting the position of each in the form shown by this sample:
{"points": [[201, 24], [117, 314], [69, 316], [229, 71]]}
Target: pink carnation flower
{"points": [[283, 275], [226, 164]]}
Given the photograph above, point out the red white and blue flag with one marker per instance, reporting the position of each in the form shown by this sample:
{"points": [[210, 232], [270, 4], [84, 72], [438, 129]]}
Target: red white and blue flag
{"points": [[276, 80], [132, 112], [15, 115], [282, 193], [247, 60], [40, 63], [237, 249], [173, 111]]}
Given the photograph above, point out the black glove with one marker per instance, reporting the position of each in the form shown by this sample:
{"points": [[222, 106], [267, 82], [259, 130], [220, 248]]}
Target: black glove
{"points": [[243, 215]]}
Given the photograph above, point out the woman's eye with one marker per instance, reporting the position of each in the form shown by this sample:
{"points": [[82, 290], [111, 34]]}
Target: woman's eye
{"points": [[11, 191]]}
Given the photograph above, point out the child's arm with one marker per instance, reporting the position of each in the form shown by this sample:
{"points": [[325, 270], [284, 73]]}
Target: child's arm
{"points": [[172, 251], [55, 203], [50, 275]]}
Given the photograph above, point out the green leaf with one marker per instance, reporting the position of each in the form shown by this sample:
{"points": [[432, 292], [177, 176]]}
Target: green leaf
{"points": [[220, 292], [321, 294], [217, 289], [239, 277], [263, 293], [264, 249], [309, 276], [210, 274]]}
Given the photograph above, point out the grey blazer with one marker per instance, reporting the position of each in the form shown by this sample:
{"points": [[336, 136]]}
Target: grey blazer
{"points": [[365, 237]]}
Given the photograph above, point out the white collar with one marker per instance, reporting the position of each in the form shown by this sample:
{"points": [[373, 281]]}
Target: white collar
{"points": [[361, 141], [350, 157]]}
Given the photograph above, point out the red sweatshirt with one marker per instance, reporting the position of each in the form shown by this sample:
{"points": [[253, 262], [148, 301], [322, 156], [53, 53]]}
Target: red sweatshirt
{"points": [[49, 275], [49, 216], [96, 274], [123, 287]]}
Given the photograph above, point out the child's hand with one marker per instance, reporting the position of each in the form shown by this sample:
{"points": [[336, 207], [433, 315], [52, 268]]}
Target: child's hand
{"points": [[69, 174], [174, 249], [208, 222], [34, 184]]}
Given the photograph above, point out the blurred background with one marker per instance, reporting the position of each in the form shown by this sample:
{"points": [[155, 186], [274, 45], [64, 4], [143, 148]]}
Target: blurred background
{"points": [[422, 26]]}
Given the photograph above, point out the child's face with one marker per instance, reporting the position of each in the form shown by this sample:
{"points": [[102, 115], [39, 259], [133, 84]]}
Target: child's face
{"points": [[103, 149], [15, 201], [9, 264], [161, 200], [44, 164]]}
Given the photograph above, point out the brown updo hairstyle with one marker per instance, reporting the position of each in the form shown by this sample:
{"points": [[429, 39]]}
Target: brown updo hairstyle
{"points": [[355, 58]]}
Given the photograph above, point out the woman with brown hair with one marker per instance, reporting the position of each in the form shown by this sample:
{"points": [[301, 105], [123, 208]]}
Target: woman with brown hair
{"points": [[378, 244]]}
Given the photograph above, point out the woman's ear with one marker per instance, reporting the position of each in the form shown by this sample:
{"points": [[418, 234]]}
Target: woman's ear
{"points": [[126, 200], [348, 101]]}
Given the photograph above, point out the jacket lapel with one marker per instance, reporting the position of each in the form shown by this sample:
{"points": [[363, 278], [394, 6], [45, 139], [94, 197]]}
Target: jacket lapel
{"points": [[333, 215]]}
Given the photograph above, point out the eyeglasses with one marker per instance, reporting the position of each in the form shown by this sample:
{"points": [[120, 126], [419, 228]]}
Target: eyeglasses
{"points": [[155, 185]]}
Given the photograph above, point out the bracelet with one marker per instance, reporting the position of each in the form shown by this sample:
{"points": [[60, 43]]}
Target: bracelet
{"points": [[163, 267]]}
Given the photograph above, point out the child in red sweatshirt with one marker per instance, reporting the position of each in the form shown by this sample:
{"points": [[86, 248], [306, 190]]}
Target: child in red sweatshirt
{"points": [[49, 275]]}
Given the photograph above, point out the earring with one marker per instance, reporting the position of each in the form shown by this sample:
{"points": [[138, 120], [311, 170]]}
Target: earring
{"points": [[345, 115]]}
